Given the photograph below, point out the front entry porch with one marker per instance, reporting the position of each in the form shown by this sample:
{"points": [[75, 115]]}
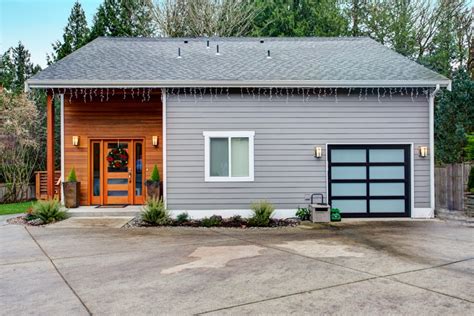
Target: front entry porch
{"points": [[112, 142]]}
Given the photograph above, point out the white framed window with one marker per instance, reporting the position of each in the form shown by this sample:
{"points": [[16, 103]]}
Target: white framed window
{"points": [[229, 156]]}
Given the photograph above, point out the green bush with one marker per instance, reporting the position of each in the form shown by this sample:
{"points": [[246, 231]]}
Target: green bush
{"points": [[214, 220], [154, 212], [469, 149], [72, 176], [49, 211], [303, 213], [262, 212], [155, 174], [470, 182], [182, 218]]}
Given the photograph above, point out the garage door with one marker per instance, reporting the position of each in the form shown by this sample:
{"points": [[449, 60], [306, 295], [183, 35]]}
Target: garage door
{"points": [[370, 180]]}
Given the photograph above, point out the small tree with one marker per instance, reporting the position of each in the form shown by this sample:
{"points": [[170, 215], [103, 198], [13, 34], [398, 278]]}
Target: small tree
{"points": [[72, 175], [155, 174], [19, 146]]}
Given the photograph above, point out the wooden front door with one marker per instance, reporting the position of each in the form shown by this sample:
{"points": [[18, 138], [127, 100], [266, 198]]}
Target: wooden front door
{"points": [[117, 172]]}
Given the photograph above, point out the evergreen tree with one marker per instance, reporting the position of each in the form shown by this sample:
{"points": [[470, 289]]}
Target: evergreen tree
{"points": [[76, 34], [16, 68], [123, 18]]}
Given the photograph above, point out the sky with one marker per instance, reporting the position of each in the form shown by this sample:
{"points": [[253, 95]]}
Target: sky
{"points": [[37, 24]]}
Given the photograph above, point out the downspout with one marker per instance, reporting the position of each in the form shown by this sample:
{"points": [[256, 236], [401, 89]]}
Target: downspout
{"points": [[163, 124], [432, 157]]}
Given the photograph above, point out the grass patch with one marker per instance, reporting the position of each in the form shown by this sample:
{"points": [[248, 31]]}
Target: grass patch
{"points": [[15, 208]]}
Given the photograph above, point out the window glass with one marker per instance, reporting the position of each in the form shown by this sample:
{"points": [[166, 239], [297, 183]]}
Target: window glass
{"points": [[387, 206], [240, 157], [219, 160], [138, 169], [350, 206], [387, 189], [387, 155], [96, 169], [348, 155], [349, 189], [387, 172], [340, 173]]}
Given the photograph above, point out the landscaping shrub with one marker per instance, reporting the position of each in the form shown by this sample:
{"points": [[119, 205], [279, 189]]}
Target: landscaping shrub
{"points": [[303, 213], [182, 218], [214, 220], [470, 182], [72, 176], [262, 212], [155, 212], [155, 174], [49, 211]]}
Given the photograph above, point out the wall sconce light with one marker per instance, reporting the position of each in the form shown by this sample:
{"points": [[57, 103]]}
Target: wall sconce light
{"points": [[423, 151], [154, 141], [318, 152], [75, 141]]}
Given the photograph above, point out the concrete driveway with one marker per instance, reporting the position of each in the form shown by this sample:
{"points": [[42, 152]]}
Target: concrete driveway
{"points": [[415, 267]]}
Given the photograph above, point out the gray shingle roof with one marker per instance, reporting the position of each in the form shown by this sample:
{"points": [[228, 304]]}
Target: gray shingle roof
{"points": [[242, 61]]}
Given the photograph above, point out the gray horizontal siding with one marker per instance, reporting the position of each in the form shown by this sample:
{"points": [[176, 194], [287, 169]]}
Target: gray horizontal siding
{"points": [[286, 132]]}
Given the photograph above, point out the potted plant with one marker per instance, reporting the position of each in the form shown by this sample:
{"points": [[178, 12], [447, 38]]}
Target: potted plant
{"points": [[153, 184], [71, 189]]}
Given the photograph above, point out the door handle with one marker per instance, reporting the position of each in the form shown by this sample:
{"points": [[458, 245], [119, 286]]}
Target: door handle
{"points": [[129, 177]]}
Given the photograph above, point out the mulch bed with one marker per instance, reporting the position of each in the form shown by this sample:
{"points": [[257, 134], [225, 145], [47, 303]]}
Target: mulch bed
{"points": [[226, 223]]}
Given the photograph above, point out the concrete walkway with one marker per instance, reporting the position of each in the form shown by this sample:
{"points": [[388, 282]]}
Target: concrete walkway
{"points": [[410, 268]]}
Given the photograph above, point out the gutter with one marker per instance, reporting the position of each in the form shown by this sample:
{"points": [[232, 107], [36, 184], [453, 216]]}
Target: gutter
{"points": [[86, 84]]}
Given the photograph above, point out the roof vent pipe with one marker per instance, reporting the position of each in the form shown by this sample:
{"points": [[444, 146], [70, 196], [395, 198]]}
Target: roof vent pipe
{"points": [[217, 52], [179, 52], [207, 44], [262, 41], [268, 54]]}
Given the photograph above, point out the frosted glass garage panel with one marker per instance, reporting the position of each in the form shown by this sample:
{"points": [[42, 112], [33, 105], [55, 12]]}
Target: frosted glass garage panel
{"points": [[348, 173], [350, 206], [387, 189], [387, 172], [348, 155], [387, 206], [386, 155], [348, 189]]}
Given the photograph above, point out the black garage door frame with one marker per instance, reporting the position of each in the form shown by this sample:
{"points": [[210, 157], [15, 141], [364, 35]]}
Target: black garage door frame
{"points": [[367, 180]]}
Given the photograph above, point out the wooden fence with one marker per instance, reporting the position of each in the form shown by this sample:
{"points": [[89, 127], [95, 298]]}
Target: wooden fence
{"points": [[450, 185], [42, 185]]}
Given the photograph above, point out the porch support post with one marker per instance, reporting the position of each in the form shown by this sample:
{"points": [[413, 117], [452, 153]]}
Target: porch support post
{"points": [[50, 145]]}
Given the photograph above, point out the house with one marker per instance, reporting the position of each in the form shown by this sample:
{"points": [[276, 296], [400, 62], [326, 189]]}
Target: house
{"points": [[229, 121]]}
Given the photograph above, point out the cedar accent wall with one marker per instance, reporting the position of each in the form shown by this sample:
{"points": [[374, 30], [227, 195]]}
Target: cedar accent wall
{"points": [[116, 118]]}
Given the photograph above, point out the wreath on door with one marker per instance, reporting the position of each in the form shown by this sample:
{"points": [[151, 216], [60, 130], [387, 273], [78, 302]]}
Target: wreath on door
{"points": [[117, 158]]}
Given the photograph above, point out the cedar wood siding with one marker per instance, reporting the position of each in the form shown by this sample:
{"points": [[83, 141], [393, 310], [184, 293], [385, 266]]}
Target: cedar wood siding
{"points": [[286, 131], [117, 119]]}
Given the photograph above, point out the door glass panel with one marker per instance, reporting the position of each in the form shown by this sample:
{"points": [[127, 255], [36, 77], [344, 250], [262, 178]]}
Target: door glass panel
{"points": [[387, 155], [387, 189], [387, 172], [219, 157], [138, 169], [117, 157], [350, 206], [117, 193], [339, 173], [117, 181], [96, 169], [387, 206], [348, 155], [349, 189], [240, 157]]}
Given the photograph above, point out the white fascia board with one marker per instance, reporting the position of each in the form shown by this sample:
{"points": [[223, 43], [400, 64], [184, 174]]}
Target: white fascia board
{"points": [[85, 84]]}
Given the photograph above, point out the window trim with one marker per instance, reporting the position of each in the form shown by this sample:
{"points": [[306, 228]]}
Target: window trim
{"points": [[207, 157]]}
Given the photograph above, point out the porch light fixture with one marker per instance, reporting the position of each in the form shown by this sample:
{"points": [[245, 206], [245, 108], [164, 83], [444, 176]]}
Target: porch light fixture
{"points": [[318, 152], [75, 141], [154, 141], [423, 151]]}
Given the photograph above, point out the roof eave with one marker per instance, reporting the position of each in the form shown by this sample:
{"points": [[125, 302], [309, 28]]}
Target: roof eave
{"points": [[84, 84]]}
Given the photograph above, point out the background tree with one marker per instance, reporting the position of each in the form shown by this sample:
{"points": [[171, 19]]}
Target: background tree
{"points": [[123, 18], [76, 34], [16, 68]]}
